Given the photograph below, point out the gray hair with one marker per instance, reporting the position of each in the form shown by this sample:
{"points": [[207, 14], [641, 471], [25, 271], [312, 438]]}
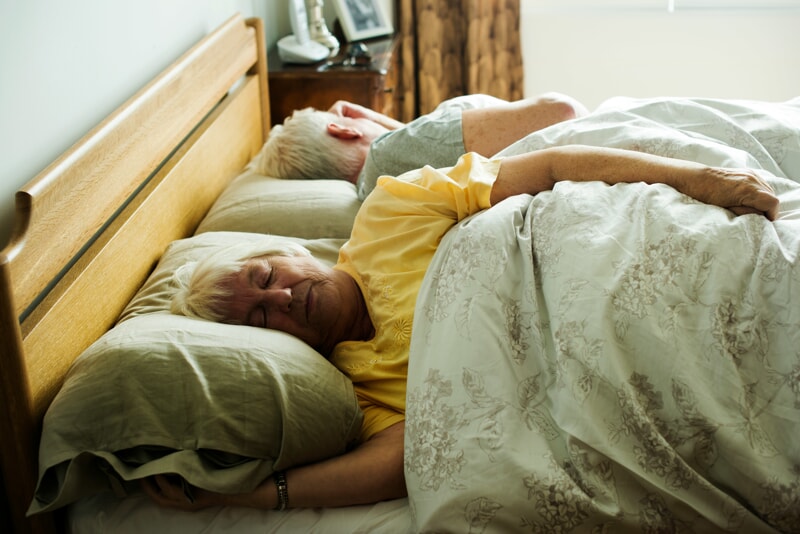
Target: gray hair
{"points": [[301, 148], [200, 291]]}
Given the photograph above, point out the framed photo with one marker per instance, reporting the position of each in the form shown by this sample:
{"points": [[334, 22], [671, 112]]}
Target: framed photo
{"points": [[362, 19]]}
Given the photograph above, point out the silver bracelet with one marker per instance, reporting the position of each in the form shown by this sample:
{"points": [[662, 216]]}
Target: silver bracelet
{"points": [[283, 490]]}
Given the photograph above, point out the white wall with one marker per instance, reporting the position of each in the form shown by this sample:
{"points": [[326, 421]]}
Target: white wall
{"points": [[593, 54], [65, 65]]}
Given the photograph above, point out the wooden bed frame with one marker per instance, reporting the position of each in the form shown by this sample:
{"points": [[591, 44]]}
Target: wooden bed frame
{"points": [[90, 228]]}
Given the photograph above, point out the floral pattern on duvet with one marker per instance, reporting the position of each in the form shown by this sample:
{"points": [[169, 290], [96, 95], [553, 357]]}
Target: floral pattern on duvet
{"points": [[607, 359]]}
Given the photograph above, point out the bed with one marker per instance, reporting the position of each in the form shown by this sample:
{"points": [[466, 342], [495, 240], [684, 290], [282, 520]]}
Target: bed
{"points": [[638, 368]]}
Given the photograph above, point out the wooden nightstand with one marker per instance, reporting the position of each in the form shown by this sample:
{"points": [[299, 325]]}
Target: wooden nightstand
{"points": [[294, 87]]}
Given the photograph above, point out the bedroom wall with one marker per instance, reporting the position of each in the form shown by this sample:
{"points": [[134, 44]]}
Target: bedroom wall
{"points": [[66, 65], [595, 53]]}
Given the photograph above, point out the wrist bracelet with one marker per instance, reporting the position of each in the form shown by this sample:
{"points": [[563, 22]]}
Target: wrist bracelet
{"points": [[283, 490]]}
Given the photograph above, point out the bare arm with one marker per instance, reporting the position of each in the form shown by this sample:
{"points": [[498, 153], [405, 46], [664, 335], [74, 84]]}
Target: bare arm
{"points": [[370, 473], [740, 190], [348, 109], [489, 130]]}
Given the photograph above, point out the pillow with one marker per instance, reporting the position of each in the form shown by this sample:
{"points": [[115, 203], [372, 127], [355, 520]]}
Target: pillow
{"points": [[301, 208], [223, 406]]}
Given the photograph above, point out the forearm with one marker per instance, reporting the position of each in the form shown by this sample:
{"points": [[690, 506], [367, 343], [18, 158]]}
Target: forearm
{"points": [[540, 170], [370, 473], [742, 191]]}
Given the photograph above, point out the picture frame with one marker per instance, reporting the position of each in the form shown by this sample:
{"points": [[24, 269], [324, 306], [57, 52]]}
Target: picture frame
{"points": [[362, 19]]}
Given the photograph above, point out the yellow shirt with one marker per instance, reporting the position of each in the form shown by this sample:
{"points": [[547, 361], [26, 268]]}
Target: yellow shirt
{"points": [[394, 237]]}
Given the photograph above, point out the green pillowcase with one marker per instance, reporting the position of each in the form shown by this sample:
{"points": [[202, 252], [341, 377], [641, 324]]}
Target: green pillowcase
{"points": [[301, 208], [221, 405]]}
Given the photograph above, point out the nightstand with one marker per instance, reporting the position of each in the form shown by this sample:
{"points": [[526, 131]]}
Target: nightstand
{"points": [[294, 86]]}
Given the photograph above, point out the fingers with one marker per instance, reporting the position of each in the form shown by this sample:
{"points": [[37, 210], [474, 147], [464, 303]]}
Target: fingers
{"points": [[338, 108], [766, 200], [168, 493], [743, 191], [153, 487], [759, 198], [767, 204], [343, 108], [770, 214]]}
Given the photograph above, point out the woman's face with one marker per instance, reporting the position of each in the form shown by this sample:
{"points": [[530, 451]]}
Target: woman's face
{"points": [[294, 294]]}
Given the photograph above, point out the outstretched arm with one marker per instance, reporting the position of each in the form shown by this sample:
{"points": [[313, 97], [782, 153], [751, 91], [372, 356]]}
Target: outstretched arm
{"points": [[371, 472], [739, 190]]}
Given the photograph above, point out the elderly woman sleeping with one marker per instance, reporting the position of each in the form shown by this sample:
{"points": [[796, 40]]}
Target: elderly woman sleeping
{"points": [[359, 313]]}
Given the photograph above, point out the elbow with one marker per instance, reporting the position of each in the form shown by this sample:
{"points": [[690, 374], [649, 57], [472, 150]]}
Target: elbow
{"points": [[396, 488], [395, 475], [389, 481], [563, 107]]}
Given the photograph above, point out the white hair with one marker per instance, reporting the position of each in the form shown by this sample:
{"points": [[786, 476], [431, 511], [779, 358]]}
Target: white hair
{"points": [[200, 291], [301, 148]]}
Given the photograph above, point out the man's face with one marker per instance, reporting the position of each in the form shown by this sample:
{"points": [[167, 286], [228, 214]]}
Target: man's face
{"points": [[294, 294]]}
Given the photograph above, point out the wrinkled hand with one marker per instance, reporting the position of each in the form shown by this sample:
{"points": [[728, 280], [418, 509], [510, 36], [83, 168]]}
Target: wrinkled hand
{"points": [[742, 191], [173, 492]]}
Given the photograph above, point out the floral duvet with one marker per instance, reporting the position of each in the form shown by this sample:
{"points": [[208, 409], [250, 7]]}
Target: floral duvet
{"points": [[617, 358]]}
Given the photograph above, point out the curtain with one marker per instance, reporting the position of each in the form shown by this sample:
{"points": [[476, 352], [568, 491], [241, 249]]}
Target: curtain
{"points": [[456, 47]]}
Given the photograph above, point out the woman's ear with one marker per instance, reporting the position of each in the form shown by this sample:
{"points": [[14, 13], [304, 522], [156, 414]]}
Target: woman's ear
{"points": [[343, 132]]}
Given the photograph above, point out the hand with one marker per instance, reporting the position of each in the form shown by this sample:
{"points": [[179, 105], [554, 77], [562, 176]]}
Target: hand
{"points": [[174, 492], [742, 191], [344, 108]]}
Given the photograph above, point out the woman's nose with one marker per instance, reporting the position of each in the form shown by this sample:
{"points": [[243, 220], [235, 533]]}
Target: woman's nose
{"points": [[278, 299]]}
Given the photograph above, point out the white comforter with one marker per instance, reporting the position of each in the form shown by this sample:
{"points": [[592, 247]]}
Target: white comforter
{"points": [[617, 358]]}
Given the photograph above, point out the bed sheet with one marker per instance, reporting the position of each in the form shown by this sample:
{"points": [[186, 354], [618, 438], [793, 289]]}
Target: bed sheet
{"points": [[616, 358], [106, 513]]}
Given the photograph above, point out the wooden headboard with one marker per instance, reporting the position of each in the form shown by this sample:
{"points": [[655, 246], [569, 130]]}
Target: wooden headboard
{"points": [[90, 228]]}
